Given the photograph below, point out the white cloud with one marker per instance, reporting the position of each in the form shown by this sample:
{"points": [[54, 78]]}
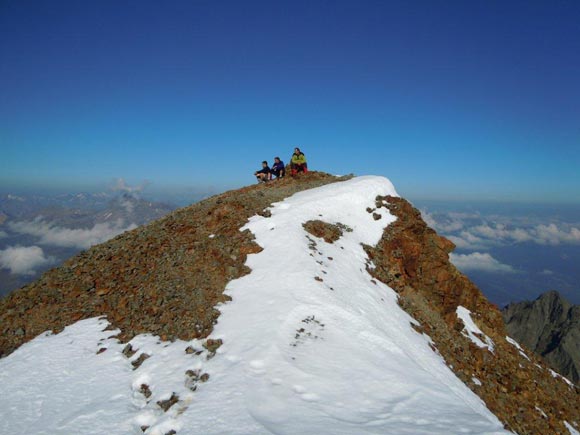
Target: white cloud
{"points": [[83, 238], [546, 272], [449, 227], [3, 234], [450, 223], [15, 198], [460, 230], [552, 235], [479, 261], [463, 216], [502, 232], [542, 234], [460, 242], [466, 240], [429, 219], [23, 260], [122, 186]]}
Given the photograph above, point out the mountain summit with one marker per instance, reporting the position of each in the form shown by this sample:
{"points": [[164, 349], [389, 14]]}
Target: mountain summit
{"points": [[311, 305]]}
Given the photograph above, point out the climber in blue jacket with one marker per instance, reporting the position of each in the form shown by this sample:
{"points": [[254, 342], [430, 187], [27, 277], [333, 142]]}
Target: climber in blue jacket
{"points": [[278, 170]]}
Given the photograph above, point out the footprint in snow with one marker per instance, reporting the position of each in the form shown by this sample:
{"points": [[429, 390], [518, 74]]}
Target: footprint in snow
{"points": [[310, 397], [276, 381], [310, 329], [258, 367], [304, 395], [257, 364], [299, 389]]}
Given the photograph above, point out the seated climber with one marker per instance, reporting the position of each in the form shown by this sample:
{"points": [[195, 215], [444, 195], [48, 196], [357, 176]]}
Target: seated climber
{"points": [[278, 170], [263, 174], [298, 162]]}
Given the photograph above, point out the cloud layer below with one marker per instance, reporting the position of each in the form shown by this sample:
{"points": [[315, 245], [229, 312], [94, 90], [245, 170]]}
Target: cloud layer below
{"points": [[479, 261], [82, 238], [122, 186], [23, 260], [542, 234], [474, 232]]}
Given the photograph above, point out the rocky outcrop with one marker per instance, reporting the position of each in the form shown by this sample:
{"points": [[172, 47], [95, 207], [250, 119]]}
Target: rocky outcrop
{"points": [[165, 278], [329, 232], [413, 260], [549, 326]]}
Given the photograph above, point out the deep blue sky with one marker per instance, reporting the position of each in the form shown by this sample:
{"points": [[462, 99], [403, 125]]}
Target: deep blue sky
{"points": [[466, 99]]}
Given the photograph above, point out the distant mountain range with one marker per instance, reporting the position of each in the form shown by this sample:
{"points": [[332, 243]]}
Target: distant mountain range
{"points": [[23, 206], [20, 207], [549, 326]]}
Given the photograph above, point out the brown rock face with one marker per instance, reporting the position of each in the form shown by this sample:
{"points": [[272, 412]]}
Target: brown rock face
{"points": [[164, 278], [413, 260], [419, 258], [329, 232]]}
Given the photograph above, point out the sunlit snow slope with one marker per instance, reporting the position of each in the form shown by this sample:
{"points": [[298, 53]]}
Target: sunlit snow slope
{"points": [[311, 345]]}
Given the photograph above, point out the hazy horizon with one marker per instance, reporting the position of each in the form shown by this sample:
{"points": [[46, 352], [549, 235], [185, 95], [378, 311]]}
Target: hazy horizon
{"points": [[168, 191]]}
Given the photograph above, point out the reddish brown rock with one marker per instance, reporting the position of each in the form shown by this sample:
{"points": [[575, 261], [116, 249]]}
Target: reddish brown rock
{"points": [[324, 230]]}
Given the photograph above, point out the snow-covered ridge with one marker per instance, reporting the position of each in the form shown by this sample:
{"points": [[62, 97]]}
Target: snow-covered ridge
{"points": [[311, 344]]}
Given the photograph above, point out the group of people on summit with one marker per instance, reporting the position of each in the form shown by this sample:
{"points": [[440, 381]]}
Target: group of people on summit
{"points": [[278, 170]]}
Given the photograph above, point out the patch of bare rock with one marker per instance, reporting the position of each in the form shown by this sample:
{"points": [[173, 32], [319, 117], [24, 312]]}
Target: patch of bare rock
{"points": [[324, 230]]}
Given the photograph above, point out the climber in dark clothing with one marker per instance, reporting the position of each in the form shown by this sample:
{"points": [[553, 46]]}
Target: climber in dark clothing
{"points": [[278, 170], [264, 173]]}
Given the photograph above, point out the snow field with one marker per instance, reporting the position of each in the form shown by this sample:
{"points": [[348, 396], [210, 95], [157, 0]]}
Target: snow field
{"points": [[58, 384]]}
